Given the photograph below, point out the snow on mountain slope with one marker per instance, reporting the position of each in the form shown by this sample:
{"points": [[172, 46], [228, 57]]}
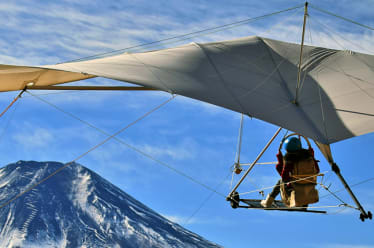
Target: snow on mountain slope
{"points": [[78, 208]]}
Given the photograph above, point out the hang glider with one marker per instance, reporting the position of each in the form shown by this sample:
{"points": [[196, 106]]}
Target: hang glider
{"points": [[255, 76], [323, 94]]}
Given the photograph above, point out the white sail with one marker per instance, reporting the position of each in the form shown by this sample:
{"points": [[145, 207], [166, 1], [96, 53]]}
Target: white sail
{"points": [[253, 75]]}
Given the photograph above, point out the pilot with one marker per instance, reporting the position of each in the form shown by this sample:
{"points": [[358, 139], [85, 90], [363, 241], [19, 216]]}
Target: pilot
{"points": [[286, 165]]}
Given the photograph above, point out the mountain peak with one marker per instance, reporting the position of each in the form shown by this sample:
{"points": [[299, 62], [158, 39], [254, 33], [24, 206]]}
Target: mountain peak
{"points": [[78, 208]]}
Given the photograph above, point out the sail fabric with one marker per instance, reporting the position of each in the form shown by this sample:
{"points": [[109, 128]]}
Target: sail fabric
{"points": [[14, 77], [253, 75]]}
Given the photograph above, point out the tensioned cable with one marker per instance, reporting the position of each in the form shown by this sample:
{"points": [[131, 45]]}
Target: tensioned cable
{"points": [[352, 185], [326, 188], [335, 195], [213, 190], [206, 200], [85, 153], [258, 190], [253, 63], [276, 69], [249, 180], [219, 28], [340, 17], [11, 104], [353, 82], [240, 139], [305, 70], [261, 191], [310, 31], [251, 91], [197, 36], [344, 204], [349, 76], [259, 58], [331, 31], [212, 32], [130, 146], [322, 111], [241, 125], [337, 212], [9, 120]]}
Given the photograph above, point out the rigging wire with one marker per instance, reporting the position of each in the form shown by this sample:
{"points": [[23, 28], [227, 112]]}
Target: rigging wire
{"points": [[231, 27], [240, 139], [212, 32], [340, 17], [113, 136], [217, 29], [266, 31], [213, 190], [276, 69], [9, 120], [352, 185], [249, 179], [310, 31], [129, 146], [117, 133], [336, 196], [331, 31], [238, 164], [11, 104], [261, 191], [322, 109], [337, 212], [236, 168], [343, 204], [206, 200], [85, 153], [258, 190]]}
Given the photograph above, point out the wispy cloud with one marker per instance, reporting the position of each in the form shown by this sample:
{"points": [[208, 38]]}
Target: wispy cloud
{"points": [[184, 150], [34, 138], [73, 32]]}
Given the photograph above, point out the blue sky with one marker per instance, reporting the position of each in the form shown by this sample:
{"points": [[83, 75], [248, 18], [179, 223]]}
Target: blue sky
{"points": [[195, 138]]}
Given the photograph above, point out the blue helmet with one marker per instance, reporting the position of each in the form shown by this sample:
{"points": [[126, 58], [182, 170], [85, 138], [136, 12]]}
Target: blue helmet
{"points": [[292, 144]]}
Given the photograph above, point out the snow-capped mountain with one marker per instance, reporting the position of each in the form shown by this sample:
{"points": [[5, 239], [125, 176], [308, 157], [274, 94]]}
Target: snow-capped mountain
{"points": [[78, 208]]}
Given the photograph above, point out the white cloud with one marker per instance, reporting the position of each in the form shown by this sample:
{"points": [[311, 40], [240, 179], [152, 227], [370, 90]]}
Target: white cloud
{"points": [[34, 138], [175, 152], [72, 32]]}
